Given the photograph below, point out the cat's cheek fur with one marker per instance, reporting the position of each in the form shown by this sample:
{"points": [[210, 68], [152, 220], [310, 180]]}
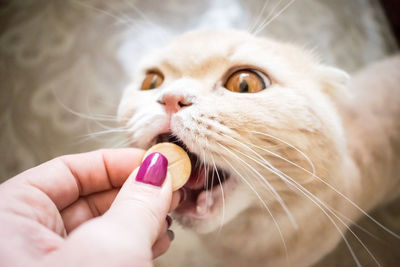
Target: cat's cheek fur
{"points": [[334, 82], [143, 119]]}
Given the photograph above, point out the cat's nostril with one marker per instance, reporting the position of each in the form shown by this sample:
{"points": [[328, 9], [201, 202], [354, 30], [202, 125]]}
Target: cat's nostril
{"points": [[184, 104], [174, 102]]}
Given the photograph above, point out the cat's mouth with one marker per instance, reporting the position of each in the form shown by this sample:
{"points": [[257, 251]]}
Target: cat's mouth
{"points": [[204, 188]]}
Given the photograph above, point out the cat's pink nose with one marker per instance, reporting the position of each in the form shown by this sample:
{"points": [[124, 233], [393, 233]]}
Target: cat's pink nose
{"points": [[174, 102]]}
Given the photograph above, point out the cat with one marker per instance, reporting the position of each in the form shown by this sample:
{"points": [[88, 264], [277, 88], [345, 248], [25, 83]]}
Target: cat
{"points": [[286, 152]]}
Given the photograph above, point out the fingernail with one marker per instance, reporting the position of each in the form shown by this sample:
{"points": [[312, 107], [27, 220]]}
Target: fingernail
{"points": [[169, 221], [153, 170], [171, 235]]}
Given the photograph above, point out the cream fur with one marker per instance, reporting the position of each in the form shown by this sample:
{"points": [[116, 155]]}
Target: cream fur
{"points": [[349, 132]]}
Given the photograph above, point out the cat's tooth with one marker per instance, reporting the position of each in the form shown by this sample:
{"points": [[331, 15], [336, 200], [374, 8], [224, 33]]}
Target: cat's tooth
{"points": [[201, 209], [209, 200], [204, 204]]}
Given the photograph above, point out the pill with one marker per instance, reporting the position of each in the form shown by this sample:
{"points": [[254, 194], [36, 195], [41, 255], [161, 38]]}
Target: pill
{"points": [[179, 165]]}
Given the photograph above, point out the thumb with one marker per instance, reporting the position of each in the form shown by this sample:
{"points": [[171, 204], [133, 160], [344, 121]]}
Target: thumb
{"points": [[144, 200], [128, 230]]}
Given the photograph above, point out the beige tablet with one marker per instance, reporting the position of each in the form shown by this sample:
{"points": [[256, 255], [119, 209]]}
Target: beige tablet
{"points": [[179, 165]]}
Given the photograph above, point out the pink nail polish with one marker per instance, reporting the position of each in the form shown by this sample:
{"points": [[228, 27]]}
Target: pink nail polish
{"points": [[153, 170]]}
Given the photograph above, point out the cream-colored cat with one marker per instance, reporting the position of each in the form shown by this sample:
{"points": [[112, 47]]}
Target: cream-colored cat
{"points": [[285, 153]]}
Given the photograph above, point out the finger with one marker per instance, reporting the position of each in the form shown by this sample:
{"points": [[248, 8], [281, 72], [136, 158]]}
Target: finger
{"points": [[162, 244], [144, 200], [163, 229], [86, 208], [129, 229], [94, 205], [176, 199], [66, 178]]}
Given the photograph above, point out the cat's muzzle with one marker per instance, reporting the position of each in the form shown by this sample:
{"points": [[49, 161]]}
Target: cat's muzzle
{"points": [[204, 176]]}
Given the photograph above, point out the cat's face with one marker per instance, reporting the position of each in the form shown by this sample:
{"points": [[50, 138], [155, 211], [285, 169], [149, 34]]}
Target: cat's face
{"points": [[259, 142]]}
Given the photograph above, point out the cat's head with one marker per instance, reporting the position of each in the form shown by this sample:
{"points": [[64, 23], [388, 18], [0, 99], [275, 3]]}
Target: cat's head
{"points": [[255, 114]]}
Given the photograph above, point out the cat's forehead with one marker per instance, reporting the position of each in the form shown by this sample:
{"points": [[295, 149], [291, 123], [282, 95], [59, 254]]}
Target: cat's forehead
{"points": [[201, 53], [209, 43]]}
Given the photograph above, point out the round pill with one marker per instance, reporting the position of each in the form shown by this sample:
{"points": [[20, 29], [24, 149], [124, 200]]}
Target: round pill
{"points": [[179, 165]]}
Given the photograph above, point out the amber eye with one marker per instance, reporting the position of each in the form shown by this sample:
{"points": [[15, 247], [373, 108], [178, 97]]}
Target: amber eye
{"points": [[153, 80], [247, 81]]}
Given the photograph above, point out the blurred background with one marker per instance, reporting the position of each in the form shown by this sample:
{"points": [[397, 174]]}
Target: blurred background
{"points": [[64, 64]]}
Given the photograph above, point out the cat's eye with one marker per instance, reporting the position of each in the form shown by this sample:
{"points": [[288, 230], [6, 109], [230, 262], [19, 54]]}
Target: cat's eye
{"points": [[247, 81], [152, 80]]}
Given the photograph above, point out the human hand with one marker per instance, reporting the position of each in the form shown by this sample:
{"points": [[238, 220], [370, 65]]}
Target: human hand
{"points": [[83, 210]]}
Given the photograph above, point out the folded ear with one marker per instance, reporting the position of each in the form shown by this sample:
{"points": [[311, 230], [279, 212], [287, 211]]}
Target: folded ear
{"points": [[334, 81]]}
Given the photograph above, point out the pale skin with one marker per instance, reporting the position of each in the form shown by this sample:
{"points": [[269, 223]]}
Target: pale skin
{"points": [[84, 210]]}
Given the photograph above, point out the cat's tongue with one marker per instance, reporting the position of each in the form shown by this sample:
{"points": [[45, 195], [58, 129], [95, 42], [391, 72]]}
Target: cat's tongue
{"points": [[197, 179], [195, 202], [201, 190]]}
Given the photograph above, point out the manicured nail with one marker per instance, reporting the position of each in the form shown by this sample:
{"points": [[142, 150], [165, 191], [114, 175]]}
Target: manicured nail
{"points": [[171, 235], [169, 221], [153, 170]]}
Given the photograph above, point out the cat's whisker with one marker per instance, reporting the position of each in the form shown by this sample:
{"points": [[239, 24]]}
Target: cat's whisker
{"points": [[352, 222], [257, 20], [84, 138], [327, 207], [104, 116], [212, 177], [332, 187], [141, 120], [269, 15], [220, 185], [273, 191], [261, 200], [147, 19], [123, 143], [312, 198], [222, 194], [317, 200], [267, 22], [108, 131], [98, 10], [205, 168], [295, 164], [290, 145], [259, 176], [96, 119], [127, 22], [275, 155]]}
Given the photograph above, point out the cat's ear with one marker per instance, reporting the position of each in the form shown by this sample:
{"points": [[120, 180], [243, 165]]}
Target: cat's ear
{"points": [[334, 81]]}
